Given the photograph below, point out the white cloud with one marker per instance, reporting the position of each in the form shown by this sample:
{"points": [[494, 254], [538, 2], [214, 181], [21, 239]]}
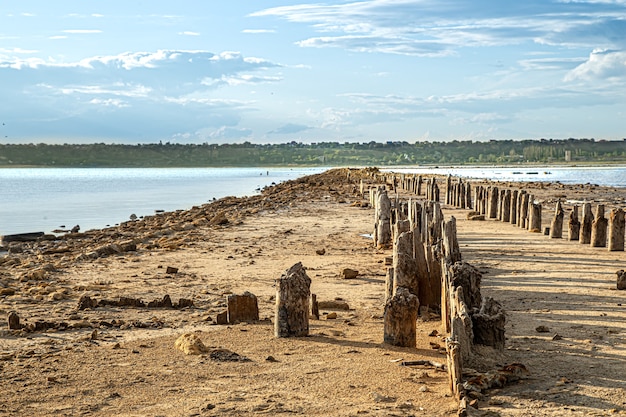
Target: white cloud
{"points": [[189, 33], [435, 28], [601, 65]]}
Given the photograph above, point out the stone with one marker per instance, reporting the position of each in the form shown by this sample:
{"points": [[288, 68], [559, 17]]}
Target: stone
{"points": [[621, 280], [542, 329], [331, 316], [348, 273], [293, 293], [14, 321], [190, 344], [170, 270], [333, 305]]}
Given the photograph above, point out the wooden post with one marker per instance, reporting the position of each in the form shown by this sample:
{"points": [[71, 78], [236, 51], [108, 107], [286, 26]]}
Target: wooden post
{"points": [[315, 307], [449, 189], [243, 308], [573, 226], [585, 227], [598, 228], [450, 242], [523, 222], [506, 207], [293, 290], [535, 218], [616, 230], [400, 321], [428, 291], [556, 227], [13, 320], [488, 324], [513, 214], [468, 196], [383, 208], [405, 269]]}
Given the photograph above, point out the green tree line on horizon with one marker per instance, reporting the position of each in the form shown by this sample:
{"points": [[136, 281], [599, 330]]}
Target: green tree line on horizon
{"points": [[314, 154]]}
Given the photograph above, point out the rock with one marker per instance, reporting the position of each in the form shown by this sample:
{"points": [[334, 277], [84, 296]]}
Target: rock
{"points": [[14, 321], [348, 273], [7, 291], [225, 355], [542, 329], [320, 251], [75, 229], [379, 398], [86, 302], [331, 316], [219, 219], [190, 344], [271, 359], [621, 280], [171, 270]]}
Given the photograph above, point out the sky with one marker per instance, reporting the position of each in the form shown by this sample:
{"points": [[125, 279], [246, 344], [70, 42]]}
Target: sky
{"points": [[275, 71]]}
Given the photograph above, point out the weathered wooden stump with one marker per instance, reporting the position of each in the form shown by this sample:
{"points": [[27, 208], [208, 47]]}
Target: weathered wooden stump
{"points": [[598, 228], [535, 218], [315, 307], [493, 203], [400, 322], [616, 230], [585, 227], [556, 227], [293, 290], [461, 325], [523, 220], [466, 276], [383, 219], [389, 284], [243, 308], [488, 324], [450, 241], [405, 269], [513, 214], [573, 226], [506, 207], [428, 292]]}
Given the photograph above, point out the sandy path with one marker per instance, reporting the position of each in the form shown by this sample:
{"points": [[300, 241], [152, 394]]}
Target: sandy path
{"points": [[342, 369]]}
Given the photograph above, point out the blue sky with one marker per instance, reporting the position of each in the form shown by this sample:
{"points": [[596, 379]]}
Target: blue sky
{"points": [[275, 71]]}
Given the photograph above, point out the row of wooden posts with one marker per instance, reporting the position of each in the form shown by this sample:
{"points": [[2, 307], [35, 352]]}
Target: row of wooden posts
{"points": [[428, 274], [520, 208]]}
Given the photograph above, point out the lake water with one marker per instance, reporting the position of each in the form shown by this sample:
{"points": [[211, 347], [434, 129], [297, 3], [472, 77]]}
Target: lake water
{"points": [[614, 176], [43, 199]]}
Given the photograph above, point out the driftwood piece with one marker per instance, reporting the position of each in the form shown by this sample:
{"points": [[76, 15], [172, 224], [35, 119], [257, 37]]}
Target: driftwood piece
{"points": [[556, 226], [488, 324], [293, 290], [598, 228], [243, 308], [585, 227], [400, 321], [616, 230], [573, 226]]}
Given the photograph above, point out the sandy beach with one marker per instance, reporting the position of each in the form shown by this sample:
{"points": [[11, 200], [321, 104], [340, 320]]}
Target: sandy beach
{"points": [[120, 360]]}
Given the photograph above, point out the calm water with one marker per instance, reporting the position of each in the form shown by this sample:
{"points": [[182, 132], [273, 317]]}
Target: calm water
{"points": [[44, 199], [47, 198], [614, 176]]}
